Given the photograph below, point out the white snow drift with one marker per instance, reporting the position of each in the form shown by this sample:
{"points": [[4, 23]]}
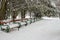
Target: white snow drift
{"points": [[40, 30]]}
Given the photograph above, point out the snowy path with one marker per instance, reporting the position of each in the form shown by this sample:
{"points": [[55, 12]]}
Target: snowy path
{"points": [[48, 29]]}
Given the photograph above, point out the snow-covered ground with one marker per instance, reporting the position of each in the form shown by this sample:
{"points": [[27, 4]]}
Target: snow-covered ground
{"points": [[46, 29]]}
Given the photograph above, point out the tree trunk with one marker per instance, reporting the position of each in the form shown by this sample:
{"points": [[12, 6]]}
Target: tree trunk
{"points": [[30, 14], [23, 12], [3, 10], [14, 15]]}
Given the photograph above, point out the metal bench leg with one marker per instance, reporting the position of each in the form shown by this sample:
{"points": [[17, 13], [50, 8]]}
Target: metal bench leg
{"points": [[19, 27], [7, 29]]}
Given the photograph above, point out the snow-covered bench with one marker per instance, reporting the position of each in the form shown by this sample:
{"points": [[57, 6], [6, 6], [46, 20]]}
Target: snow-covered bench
{"points": [[22, 23], [8, 27], [31, 20]]}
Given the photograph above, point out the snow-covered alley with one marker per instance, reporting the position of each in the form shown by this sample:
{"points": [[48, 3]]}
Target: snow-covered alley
{"points": [[46, 29]]}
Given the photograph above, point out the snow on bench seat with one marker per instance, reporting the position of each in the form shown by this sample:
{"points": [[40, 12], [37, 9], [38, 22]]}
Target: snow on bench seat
{"points": [[22, 23], [4, 27], [10, 26], [28, 22]]}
